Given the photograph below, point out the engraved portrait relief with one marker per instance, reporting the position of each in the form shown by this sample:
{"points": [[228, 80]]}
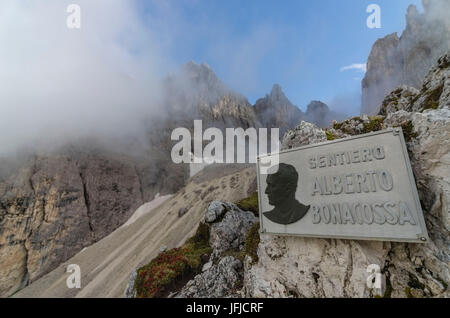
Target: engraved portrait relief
{"points": [[280, 190]]}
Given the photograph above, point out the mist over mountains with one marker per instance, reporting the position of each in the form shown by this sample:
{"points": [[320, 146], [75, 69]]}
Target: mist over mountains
{"points": [[405, 60]]}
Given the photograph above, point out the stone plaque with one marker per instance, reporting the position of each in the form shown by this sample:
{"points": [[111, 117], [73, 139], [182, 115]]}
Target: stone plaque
{"points": [[354, 188]]}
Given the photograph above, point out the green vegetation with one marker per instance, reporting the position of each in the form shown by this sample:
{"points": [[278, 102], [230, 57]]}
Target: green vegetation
{"points": [[338, 125], [250, 248], [432, 99], [168, 269], [330, 135], [408, 292], [414, 100], [388, 291], [408, 131], [414, 282], [251, 242], [375, 124], [250, 204], [342, 126]]}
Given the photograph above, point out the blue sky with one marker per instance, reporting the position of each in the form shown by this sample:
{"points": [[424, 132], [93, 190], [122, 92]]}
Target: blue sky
{"points": [[302, 45], [59, 82]]}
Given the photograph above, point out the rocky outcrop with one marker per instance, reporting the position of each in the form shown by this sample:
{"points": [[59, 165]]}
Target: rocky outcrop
{"points": [[217, 281], [434, 93], [130, 292], [303, 134], [56, 206], [405, 60], [399, 99], [231, 231], [306, 267], [222, 275]]}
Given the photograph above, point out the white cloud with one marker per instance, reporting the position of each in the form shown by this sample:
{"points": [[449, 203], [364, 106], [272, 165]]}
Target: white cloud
{"points": [[355, 66], [57, 84]]}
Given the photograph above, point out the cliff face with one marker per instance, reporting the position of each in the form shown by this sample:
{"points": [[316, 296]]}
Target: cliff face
{"points": [[57, 205], [405, 60]]}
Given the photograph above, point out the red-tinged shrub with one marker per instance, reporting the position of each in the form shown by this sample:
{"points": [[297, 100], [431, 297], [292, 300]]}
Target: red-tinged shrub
{"points": [[162, 273]]}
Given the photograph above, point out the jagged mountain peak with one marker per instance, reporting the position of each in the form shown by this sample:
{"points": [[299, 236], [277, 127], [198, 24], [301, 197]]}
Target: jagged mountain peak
{"points": [[276, 110], [317, 105], [202, 75], [275, 99], [277, 92], [202, 70]]}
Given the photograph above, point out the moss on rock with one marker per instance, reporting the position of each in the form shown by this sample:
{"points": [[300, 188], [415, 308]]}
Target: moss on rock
{"points": [[408, 131], [337, 125], [413, 282], [432, 99], [251, 242], [250, 204], [330, 135], [375, 123], [408, 292]]}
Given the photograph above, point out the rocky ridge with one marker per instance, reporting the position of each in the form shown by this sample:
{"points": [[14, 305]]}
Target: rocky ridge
{"points": [[405, 60]]}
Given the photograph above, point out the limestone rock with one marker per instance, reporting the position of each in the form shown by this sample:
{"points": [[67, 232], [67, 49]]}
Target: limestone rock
{"points": [[130, 292], [222, 275], [13, 268], [405, 60], [162, 249], [215, 211], [56, 206], [435, 92], [303, 134], [231, 232], [182, 212], [217, 282], [399, 99]]}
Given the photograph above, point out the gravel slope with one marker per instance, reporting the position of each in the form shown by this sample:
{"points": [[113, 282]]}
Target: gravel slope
{"points": [[106, 265]]}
